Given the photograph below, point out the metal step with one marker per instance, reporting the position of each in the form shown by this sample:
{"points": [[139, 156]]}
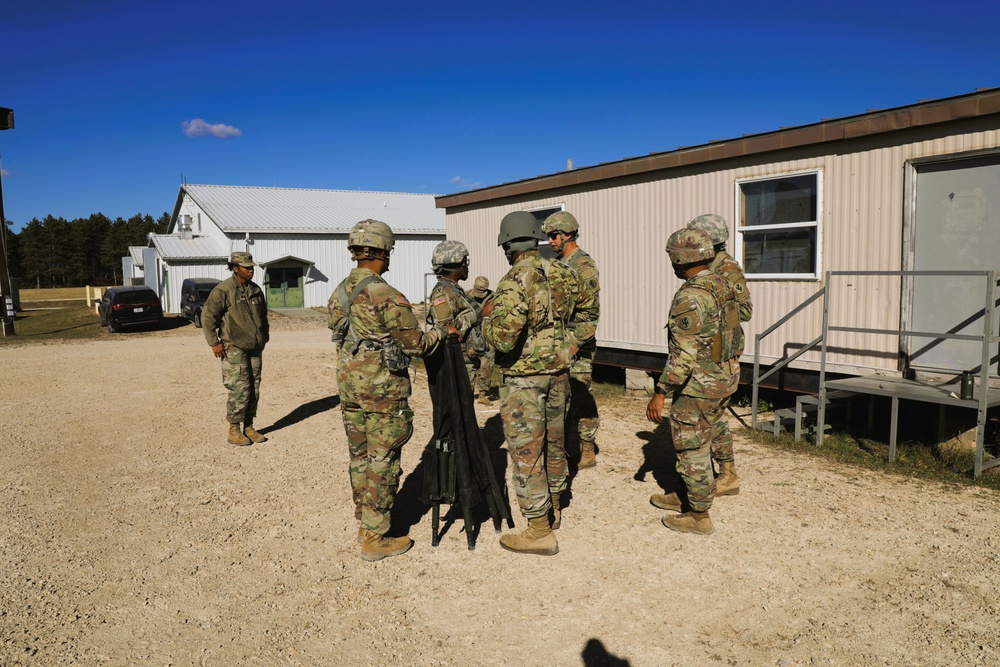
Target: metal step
{"points": [[809, 404]]}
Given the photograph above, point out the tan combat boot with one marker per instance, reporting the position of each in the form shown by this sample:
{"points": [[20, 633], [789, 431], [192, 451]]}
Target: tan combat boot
{"points": [[588, 455], [728, 482], [236, 436], [376, 547], [698, 523], [556, 512], [537, 539], [666, 501], [252, 433]]}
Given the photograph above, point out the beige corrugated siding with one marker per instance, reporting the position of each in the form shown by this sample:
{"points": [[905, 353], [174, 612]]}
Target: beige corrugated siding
{"points": [[625, 223]]}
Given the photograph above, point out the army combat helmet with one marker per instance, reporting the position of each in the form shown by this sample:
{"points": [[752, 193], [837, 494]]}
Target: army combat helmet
{"points": [[519, 231], [561, 221], [370, 234], [713, 225], [690, 246], [448, 253]]}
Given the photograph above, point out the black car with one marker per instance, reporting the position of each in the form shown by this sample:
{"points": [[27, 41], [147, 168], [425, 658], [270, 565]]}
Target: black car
{"points": [[194, 291], [129, 305]]}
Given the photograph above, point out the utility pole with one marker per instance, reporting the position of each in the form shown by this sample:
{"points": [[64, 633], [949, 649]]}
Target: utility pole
{"points": [[6, 295]]}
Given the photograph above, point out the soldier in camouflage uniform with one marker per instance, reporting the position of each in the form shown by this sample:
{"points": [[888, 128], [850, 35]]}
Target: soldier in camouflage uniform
{"points": [[563, 231], [526, 323], [728, 482], [449, 304], [488, 378], [234, 320], [376, 332], [701, 372]]}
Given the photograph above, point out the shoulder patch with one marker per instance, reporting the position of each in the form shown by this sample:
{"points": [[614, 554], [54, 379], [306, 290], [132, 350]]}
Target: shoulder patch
{"points": [[441, 299]]}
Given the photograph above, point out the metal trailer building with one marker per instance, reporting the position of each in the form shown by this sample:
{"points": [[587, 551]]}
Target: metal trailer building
{"points": [[903, 189], [297, 236]]}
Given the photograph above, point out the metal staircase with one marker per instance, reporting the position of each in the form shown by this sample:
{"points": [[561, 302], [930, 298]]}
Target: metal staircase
{"points": [[832, 393]]}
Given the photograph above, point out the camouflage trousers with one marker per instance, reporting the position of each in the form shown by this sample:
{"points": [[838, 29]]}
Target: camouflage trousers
{"points": [[533, 413], [693, 424], [582, 406], [489, 375], [722, 438], [241, 376], [375, 441]]}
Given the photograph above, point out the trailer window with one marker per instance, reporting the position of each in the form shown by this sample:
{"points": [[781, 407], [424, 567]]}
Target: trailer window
{"points": [[778, 230]]}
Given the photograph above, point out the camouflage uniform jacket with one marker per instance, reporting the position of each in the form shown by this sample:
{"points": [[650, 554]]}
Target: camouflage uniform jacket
{"points": [[590, 283], [237, 315], [527, 326], [379, 313], [729, 268], [697, 319], [451, 305]]}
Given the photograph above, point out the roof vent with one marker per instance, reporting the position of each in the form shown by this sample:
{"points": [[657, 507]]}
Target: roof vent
{"points": [[184, 226]]}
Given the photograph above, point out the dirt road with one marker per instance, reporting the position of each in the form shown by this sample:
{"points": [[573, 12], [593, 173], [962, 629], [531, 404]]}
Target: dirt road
{"points": [[133, 535]]}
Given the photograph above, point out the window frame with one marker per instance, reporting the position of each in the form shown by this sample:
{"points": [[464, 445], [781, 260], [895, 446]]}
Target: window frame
{"points": [[739, 244]]}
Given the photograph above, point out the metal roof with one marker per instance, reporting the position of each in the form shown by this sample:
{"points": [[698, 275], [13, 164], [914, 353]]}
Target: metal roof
{"points": [[135, 251], [239, 209], [984, 102], [171, 246]]}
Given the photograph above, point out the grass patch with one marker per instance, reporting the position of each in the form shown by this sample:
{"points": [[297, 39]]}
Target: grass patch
{"points": [[913, 459], [54, 320], [52, 294], [603, 390]]}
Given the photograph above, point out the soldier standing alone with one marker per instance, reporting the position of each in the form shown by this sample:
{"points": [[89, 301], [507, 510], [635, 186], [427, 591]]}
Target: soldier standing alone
{"points": [[701, 372], [563, 231], [526, 323], [376, 332], [234, 320]]}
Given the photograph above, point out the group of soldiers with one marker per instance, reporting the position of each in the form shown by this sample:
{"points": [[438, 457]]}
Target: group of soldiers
{"points": [[536, 331]]}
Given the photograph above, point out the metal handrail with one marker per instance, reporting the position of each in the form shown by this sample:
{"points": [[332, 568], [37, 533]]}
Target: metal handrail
{"points": [[781, 363]]}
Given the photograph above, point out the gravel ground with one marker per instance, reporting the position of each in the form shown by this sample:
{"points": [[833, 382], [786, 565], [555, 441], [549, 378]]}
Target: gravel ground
{"points": [[135, 536]]}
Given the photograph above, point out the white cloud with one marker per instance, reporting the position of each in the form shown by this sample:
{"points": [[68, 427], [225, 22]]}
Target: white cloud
{"points": [[462, 183], [201, 128]]}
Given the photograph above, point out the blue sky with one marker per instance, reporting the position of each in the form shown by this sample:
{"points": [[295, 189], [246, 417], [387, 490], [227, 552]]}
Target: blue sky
{"points": [[116, 101]]}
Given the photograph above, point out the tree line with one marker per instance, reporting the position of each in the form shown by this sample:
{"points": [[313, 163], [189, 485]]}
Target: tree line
{"points": [[55, 252]]}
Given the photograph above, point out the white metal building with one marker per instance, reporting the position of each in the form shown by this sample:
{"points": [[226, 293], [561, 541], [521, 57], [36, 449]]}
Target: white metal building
{"points": [[298, 236], [909, 188]]}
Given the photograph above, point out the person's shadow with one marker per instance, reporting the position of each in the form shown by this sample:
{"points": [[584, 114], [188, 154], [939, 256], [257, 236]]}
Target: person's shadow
{"points": [[660, 459], [596, 655], [303, 412]]}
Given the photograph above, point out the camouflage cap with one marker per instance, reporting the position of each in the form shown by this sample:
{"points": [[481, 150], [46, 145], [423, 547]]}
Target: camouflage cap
{"points": [[480, 287], [561, 221], [713, 225], [244, 259], [690, 246], [448, 253]]}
